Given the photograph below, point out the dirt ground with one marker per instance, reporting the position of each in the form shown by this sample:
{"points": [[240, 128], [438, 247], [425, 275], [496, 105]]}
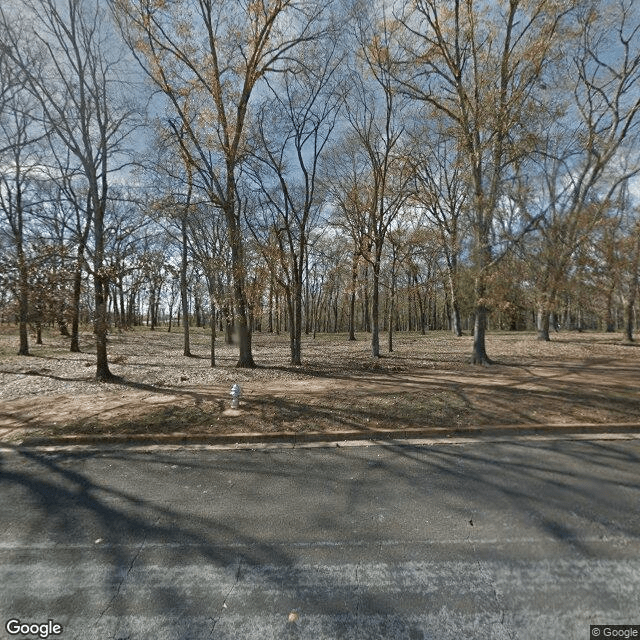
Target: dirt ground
{"points": [[426, 381]]}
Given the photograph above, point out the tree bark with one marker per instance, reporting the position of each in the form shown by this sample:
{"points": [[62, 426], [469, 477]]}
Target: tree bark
{"points": [[103, 374], [352, 297], [375, 312], [542, 322], [479, 352], [628, 319], [633, 288], [212, 323], [456, 324], [391, 310], [24, 304], [296, 323], [243, 328]]}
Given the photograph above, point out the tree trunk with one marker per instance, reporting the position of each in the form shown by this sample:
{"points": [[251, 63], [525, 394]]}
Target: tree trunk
{"points": [[352, 297], [375, 311], [633, 288], [479, 353], [23, 271], [62, 323], [23, 312], [294, 308], [228, 324], [366, 320], [184, 294], [628, 319], [212, 324], [542, 322], [152, 308], [124, 316], [103, 374], [610, 322], [99, 287], [391, 310], [75, 308], [117, 317], [296, 322], [456, 324], [241, 315]]}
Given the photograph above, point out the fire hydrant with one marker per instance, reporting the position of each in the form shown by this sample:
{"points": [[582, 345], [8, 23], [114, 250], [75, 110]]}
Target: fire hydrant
{"points": [[236, 394]]}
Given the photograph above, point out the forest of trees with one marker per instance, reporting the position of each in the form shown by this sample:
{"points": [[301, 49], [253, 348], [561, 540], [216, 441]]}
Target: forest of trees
{"points": [[303, 166]]}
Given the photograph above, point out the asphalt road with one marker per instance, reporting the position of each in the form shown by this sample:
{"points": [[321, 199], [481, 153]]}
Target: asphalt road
{"points": [[481, 540]]}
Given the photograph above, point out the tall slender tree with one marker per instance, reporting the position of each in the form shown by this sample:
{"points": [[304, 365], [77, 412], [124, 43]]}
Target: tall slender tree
{"points": [[291, 134], [70, 65], [479, 65], [590, 152], [217, 53], [19, 128]]}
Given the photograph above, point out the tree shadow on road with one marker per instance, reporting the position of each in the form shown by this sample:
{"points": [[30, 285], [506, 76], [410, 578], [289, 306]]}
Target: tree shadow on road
{"points": [[115, 521]]}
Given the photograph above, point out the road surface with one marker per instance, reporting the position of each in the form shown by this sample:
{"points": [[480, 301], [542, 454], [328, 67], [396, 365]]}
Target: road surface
{"points": [[526, 539]]}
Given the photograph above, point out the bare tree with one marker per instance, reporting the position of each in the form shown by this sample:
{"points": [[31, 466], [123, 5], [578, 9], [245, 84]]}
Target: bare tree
{"points": [[291, 135], [630, 289], [207, 243], [19, 164], [216, 53], [591, 153], [478, 66], [379, 181], [71, 66], [441, 194]]}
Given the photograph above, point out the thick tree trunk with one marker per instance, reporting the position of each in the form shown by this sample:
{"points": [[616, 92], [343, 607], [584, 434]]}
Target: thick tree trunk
{"points": [[542, 322], [479, 353], [294, 309], [103, 374], [75, 303]]}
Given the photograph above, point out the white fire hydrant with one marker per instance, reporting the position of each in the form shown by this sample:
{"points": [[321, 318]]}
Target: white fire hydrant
{"points": [[236, 394]]}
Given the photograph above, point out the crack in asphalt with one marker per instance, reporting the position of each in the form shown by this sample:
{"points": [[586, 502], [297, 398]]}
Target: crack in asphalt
{"points": [[223, 606], [119, 588], [496, 596]]}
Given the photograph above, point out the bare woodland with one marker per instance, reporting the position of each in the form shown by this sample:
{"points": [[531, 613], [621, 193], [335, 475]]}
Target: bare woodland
{"points": [[301, 167]]}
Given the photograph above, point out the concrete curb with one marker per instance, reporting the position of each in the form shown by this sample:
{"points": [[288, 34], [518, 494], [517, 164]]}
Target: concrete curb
{"points": [[291, 437]]}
